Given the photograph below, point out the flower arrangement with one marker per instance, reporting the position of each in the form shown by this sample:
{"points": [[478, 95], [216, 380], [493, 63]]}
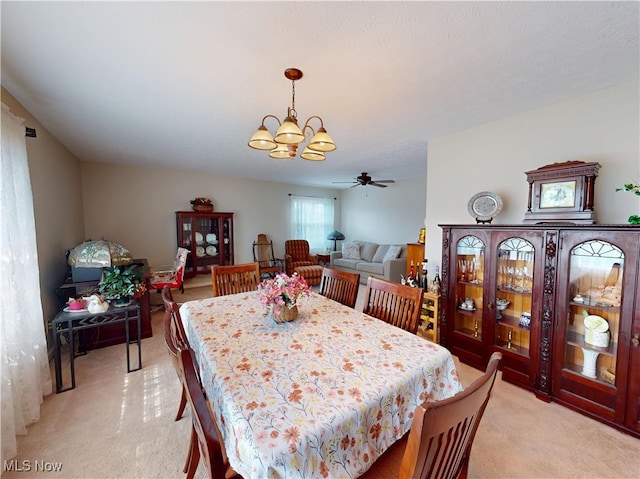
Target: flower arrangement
{"points": [[202, 204], [282, 291]]}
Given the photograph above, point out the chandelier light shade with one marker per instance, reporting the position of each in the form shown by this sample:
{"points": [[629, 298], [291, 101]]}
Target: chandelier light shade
{"points": [[289, 135]]}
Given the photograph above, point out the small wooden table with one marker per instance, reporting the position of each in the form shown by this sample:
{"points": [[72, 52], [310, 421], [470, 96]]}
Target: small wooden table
{"points": [[68, 323], [325, 258]]}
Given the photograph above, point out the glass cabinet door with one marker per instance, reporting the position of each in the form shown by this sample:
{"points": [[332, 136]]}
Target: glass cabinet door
{"points": [[207, 237], [227, 234], [469, 286], [593, 319], [513, 295]]}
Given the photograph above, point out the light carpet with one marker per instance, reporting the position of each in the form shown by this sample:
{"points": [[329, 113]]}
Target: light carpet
{"points": [[119, 425]]}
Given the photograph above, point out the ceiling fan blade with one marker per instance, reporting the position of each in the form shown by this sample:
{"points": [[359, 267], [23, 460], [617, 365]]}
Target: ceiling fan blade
{"points": [[375, 183], [344, 182], [385, 181]]}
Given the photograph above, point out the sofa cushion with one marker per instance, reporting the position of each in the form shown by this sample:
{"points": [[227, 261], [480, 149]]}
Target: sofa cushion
{"points": [[393, 252], [351, 251], [368, 251], [376, 268], [380, 252], [346, 263]]}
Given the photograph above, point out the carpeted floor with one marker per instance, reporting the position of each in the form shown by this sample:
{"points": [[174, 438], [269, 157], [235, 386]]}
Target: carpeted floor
{"points": [[119, 425]]}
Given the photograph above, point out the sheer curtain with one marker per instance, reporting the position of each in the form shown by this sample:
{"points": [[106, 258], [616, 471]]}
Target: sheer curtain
{"points": [[312, 219], [23, 346]]}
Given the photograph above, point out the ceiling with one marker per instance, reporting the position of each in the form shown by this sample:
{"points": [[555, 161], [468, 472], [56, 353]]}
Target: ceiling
{"points": [[185, 84]]}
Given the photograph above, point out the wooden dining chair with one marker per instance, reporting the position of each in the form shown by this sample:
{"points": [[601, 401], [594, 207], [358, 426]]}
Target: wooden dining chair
{"points": [[175, 338], [442, 433], [341, 286], [394, 303], [235, 278], [205, 440]]}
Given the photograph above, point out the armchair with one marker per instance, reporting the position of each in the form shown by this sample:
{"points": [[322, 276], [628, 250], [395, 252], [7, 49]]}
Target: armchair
{"points": [[297, 255]]}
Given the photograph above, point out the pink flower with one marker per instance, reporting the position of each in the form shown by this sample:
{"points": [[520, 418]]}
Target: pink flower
{"points": [[283, 290]]}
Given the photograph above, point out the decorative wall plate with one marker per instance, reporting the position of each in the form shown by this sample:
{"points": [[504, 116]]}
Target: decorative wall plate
{"points": [[484, 206]]}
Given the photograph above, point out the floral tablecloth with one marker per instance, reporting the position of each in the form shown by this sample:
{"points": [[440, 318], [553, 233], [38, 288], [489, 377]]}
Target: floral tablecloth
{"points": [[319, 397]]}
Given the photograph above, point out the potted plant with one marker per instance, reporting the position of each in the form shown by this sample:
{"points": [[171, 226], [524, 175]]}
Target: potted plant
{"points": [[120, 284], [635, 189]]}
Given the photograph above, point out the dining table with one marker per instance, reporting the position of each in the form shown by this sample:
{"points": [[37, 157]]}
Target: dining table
{"points": [[322, 396]]}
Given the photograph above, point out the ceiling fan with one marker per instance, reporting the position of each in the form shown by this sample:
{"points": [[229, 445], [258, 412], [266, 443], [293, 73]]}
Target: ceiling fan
{"points": [[364, 179]]}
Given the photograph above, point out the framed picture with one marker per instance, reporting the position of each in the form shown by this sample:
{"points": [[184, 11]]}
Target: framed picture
{"points": [[558, 195], [562, 192]]}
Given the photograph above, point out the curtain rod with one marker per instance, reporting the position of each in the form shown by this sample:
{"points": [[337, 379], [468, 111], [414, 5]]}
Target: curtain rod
{"points": [[310, 196]]}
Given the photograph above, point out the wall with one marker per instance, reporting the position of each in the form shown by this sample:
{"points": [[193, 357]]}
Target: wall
{"points": [[603, 126], [57, 204], [385, 215], [136, 206]]}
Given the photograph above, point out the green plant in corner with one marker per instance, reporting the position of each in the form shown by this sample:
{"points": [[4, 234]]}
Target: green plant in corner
{"points": [[120, 283], [635, 189]]}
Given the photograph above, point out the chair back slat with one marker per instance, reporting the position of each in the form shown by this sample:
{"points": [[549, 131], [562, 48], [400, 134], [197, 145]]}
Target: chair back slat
{"points": [[394, 303], [442, 432], [232, 279], [341, 286]]}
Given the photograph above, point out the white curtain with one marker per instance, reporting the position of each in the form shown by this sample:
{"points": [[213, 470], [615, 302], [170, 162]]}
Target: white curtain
{"points": [[23, 346], [312, 219]]}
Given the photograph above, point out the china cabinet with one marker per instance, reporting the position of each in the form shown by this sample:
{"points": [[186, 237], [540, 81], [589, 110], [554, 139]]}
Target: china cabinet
{"points": [[209, 238], [560, 301]]}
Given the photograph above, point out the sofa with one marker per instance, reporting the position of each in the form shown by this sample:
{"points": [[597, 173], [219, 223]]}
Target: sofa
{"points": [[384, 261]]}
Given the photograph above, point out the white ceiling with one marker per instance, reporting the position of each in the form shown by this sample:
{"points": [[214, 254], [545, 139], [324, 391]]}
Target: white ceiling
{"points": [[185, 84]]}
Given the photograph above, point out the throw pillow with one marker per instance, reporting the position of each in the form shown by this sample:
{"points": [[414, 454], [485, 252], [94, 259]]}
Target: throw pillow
{"points": [[351, 251], [368, 251], [380, 252], [392, 253]]}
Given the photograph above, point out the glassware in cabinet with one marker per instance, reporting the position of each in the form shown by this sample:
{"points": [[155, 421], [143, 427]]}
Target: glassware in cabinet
{"points": [[513, 295], [469, 273]]}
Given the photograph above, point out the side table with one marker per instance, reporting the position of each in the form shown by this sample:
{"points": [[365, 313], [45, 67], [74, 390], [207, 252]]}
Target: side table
{"points": [[325, 258], [68, 323]]}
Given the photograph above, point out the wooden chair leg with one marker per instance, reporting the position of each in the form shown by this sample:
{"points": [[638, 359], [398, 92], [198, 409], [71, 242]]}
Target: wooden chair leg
{"points": [[183, 403], [193, 443], [195, 456]]}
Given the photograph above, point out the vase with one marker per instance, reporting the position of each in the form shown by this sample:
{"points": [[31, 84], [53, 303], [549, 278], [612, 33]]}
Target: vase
{"points": [[283, 314]]}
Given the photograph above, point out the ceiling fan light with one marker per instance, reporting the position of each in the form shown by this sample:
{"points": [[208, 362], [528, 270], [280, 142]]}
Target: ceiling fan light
{"points": [[321, 141], [281, 152], [289, 132], [312, 155], [262, 139]]}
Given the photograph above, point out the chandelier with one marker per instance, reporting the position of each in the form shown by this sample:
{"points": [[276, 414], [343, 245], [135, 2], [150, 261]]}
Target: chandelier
{"points": [[289, 135]]}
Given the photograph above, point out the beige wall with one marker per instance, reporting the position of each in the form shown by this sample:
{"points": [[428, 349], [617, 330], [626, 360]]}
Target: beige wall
{"points": [[136, 207], [57, 198], [385, 215], [603, 126]]}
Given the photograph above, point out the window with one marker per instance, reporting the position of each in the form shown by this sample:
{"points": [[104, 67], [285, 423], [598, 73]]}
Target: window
{"points": [[311, 219]]}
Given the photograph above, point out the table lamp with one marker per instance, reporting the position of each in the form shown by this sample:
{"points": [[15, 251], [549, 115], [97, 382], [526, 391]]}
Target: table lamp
{"points": [[335, 235]]}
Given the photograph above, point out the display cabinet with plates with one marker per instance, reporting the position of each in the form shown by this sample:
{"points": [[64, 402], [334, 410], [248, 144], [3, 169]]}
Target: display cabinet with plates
{"points": [[209, 238], [561, 302]]}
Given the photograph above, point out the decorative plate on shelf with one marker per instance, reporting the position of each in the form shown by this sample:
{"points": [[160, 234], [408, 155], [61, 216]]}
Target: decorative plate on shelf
{"points": [[484, 206], [200, 251], [212, 250]]}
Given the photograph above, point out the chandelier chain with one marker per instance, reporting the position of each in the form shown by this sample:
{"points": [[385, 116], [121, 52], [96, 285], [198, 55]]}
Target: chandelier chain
{"points": [[293, 113]]}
